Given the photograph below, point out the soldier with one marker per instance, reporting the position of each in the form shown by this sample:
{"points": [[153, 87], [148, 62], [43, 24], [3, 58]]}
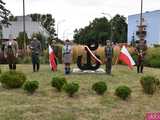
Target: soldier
{"points": [[108, 56], [36, 49], [67, 56], [141, 52], [11, 53]]}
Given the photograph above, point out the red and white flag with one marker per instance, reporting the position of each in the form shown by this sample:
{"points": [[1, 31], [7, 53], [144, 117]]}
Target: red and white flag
{"points": [[126, 57], [92, 55], [52, 59]]}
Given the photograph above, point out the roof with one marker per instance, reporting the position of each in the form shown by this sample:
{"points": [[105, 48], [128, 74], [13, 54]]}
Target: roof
{"points": [[147, 12], [17, 26]]}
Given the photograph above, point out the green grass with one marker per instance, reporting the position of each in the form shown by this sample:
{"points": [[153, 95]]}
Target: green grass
{"points": [[48, 104]]}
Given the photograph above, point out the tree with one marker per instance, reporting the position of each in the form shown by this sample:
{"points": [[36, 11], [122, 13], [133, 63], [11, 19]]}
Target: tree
{"points": [[12, 18], [4, 13], [21, 41], [47, 21], [119, 26], [99, 30]]}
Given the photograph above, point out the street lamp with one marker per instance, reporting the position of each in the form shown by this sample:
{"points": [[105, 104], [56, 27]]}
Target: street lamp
{"points": [[24, 26], [64, 32], [111, 24], [59, 22]]}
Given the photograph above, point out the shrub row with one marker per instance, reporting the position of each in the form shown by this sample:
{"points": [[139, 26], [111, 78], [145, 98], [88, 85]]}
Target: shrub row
{"points": [[100, 88], [14, 79], [60, 83]]}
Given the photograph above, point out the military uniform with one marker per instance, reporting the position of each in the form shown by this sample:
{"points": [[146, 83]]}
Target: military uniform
{"points": [[11, 53], [67, 56], [108, 58], [35, 47]]}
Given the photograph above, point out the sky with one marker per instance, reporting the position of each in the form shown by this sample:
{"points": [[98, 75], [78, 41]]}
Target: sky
{"points": [[72, 14]]}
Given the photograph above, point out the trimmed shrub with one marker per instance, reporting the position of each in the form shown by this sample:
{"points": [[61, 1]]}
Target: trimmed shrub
{"points": [[99, 87], [123, 92], [12, 79], [152, 58], [58, 82], [149, 84], [31, 86], [71, 88]]}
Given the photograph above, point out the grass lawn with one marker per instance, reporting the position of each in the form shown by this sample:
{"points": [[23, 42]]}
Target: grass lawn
{"points": [[48, 104]]}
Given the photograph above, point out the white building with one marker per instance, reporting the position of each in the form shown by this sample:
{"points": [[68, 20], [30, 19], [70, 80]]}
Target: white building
{"points": [[17, 26], [152, 22]]}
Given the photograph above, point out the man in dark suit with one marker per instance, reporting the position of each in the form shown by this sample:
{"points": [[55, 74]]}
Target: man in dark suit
{"points": [[108, 56], [36, 49]]}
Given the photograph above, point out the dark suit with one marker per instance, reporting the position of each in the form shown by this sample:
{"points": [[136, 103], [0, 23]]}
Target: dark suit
{"points": [[35, 46], [108, 56]]}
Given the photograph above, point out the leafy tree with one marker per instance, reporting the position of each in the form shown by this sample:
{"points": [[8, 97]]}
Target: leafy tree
{"points": [[119, 26], [47, 21], [22, 40], [12, 18], [99, 30], [4, 13]]}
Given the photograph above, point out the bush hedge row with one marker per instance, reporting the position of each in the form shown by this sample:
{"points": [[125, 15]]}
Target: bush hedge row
{"points": [[14, 79]]}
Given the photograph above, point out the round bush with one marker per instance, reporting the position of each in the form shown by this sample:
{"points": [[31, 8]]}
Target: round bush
{"points": [[100, 87], [149, 84], [12, 79], [71, 88], [31, 86], [123, 92], [58, 82]]}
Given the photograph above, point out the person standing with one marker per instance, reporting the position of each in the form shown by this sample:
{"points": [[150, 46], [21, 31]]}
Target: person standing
{"points": [[140, 61], [36, 49], [67, 56], [108, 56], [52, 56], [141, 52], [11, 53]]}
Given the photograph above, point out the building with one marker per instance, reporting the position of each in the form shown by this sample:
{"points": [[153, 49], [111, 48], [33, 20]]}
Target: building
{"points": [[17, 26], [151, 29]]}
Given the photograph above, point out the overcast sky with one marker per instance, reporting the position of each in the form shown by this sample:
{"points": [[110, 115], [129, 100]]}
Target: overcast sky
{"points": [[72, 14]]}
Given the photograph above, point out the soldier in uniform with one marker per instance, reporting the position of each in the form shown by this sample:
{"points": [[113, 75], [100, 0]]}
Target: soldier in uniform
{"points": [[36, 49], [67, 56], [141, 52], [11, 53], [108, 56]]}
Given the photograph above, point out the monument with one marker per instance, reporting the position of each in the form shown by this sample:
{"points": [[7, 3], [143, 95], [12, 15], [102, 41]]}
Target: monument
{"points": [[89, 66]]}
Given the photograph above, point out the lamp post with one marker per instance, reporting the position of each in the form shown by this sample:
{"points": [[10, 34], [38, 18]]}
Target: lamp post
{"points": [[59, 22], [64, 32], [24, 26], [111, 24]]}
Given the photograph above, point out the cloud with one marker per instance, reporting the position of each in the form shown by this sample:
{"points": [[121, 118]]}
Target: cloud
{"points": [[78, 13], [85, 3]]}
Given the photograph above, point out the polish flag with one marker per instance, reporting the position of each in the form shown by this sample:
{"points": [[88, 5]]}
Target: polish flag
{"points": [[52, 59], [126, 57]]}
